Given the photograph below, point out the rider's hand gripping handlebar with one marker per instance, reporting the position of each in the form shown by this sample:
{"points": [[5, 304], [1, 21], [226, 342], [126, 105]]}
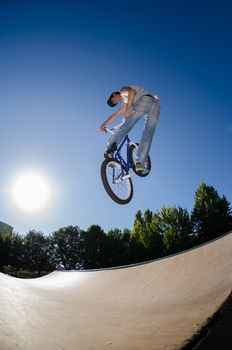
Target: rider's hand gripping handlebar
{"points": [[112, 130]]}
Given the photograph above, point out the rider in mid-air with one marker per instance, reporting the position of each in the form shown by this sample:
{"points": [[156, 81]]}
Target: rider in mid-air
{"points": [[136, 102]]}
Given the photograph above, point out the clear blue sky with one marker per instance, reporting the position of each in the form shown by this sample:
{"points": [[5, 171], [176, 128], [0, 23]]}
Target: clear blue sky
{"points": [[59, 62]]}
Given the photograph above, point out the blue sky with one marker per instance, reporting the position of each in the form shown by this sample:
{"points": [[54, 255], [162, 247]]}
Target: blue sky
{"points": [[59, 62]]}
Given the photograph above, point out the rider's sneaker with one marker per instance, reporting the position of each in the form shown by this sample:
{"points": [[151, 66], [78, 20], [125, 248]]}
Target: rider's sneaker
{"points": [[109, 153], [140, 169]]}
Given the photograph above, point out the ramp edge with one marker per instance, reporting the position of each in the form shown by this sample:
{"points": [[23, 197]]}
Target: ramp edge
{"points": [[216, 333]]}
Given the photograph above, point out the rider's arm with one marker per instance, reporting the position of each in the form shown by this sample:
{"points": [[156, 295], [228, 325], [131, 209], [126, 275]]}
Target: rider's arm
{"points": [[113, 117]]}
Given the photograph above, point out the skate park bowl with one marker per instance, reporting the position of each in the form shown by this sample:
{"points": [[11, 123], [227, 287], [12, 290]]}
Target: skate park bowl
{"points": [[179, 302]]}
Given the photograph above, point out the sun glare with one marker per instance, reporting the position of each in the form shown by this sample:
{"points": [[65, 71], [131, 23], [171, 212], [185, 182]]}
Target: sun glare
{"points": [[31, 192]]}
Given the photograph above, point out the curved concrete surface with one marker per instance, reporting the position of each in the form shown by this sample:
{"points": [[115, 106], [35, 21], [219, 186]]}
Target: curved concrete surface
{"points": [[157, 305]]}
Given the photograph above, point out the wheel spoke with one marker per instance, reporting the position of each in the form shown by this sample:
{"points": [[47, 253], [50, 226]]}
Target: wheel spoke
{"points": [[120, 187]]}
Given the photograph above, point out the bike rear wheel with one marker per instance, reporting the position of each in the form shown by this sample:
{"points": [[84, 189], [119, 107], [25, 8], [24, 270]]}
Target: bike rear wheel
{"points": [[133, 153], [115, 181]]}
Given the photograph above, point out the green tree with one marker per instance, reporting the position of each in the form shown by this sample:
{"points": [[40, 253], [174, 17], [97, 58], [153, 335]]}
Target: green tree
{"points": [[94, 248], [174, 225], [116, 248], [65, 250], [211, 215], [153, 239], [17, 256], [126, 236], [146, 240], [4, 249], [137, 248], [138, 217], [138, 231], [147, 216], [119, 247], [36, 252]]}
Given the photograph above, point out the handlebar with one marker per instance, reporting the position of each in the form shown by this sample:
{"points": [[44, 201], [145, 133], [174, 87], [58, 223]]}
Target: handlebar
{"points": [[112, 130]]}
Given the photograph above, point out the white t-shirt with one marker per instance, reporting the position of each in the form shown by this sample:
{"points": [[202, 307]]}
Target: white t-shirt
{"points": [[139, 93]]}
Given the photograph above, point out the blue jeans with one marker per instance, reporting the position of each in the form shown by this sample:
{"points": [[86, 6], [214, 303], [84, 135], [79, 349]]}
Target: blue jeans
{"points": [[149, 108]]}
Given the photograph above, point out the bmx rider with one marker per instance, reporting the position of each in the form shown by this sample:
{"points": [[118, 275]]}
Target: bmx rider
{"points": [[136, 103]]}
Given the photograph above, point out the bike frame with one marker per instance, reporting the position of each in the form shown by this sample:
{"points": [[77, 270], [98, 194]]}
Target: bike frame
{"points": [[125, 164], [115, 169]]}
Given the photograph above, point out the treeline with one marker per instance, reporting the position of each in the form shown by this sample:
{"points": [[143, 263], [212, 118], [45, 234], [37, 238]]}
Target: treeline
{"points": [[154, 235]]}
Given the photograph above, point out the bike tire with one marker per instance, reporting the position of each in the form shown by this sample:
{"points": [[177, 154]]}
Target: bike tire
{"points": [[132, 150], [122, 191]]}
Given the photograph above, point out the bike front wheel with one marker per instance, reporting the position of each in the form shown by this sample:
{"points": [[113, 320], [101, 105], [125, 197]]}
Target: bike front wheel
{"points": [[133, 154], [116, 182]]}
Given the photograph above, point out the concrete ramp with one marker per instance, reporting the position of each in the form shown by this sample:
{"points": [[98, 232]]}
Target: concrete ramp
{"points": [[156, 305]]}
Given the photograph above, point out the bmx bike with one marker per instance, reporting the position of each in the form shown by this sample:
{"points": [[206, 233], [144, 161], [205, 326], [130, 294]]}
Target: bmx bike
{"points": [[115, 171]]}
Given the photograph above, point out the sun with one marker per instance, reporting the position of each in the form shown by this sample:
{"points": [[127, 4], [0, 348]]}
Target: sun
{"points": [[30, 192]]}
